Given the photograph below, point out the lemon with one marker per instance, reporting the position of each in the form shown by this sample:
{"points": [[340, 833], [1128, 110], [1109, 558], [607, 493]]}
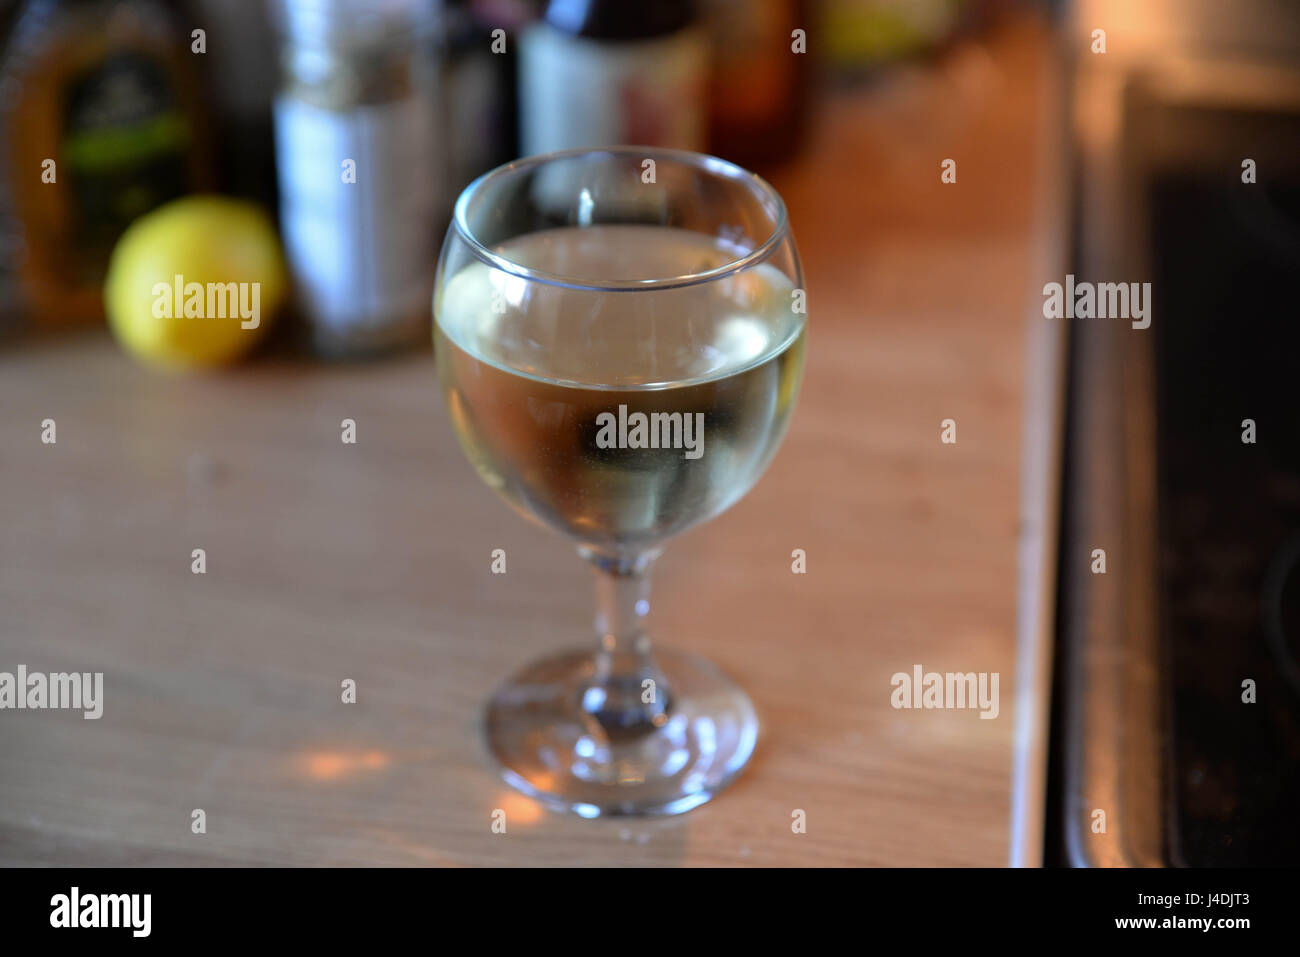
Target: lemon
{"points": [[195, 282]]}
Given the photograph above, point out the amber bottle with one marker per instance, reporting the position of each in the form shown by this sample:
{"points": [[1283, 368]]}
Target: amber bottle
{"points": [[101, 120]]}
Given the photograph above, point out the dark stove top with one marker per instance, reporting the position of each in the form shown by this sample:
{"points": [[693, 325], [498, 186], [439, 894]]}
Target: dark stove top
{"points": [[1226, 259]]}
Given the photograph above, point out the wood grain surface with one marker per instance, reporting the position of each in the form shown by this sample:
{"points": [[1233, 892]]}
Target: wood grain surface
{"points": [[328, 561]]}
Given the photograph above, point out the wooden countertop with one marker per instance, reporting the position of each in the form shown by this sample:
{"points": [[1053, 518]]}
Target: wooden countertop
{"points": [[328, 561]]}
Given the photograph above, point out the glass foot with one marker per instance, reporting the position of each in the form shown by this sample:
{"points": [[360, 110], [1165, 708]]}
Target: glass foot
{"points": [[557, 746]]}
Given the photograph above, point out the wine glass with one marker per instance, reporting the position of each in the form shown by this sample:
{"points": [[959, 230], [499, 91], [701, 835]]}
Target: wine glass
{"points": [[619, 337]]}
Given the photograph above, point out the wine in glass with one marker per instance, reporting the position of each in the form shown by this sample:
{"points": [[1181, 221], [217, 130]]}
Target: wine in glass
{"points": [[619, 337]]}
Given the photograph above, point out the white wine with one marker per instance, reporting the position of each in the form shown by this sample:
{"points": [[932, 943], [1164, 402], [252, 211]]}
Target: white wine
{"points": [[533, 383]]}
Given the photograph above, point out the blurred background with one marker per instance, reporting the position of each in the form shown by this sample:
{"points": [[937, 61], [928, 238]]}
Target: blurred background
{"points": [[139, 103]]}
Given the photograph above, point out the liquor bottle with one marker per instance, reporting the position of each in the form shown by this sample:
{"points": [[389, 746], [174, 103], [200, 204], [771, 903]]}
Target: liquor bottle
{"points": [[240, 80], [605, 72], [480, 83], [759, 79], [101, 120]]}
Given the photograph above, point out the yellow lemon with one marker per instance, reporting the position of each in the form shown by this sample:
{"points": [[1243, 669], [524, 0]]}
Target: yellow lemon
{"points": [[195, 282]]}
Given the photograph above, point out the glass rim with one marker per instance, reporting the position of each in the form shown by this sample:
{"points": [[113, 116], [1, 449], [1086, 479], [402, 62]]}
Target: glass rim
{"points": [[703, 162]]}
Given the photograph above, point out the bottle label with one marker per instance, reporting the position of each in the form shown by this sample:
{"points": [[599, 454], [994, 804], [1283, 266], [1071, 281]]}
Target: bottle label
{"points": [[577, 92], [359, 191], [125, 143]]}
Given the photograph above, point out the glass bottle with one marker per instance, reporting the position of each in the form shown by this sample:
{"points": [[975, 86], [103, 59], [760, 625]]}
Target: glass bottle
{"points": [[101, 120], [361, 177], [606, 72], [758, 83]]}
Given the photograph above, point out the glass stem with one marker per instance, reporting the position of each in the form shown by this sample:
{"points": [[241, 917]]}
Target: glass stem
{"points": [[627, 693]]}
